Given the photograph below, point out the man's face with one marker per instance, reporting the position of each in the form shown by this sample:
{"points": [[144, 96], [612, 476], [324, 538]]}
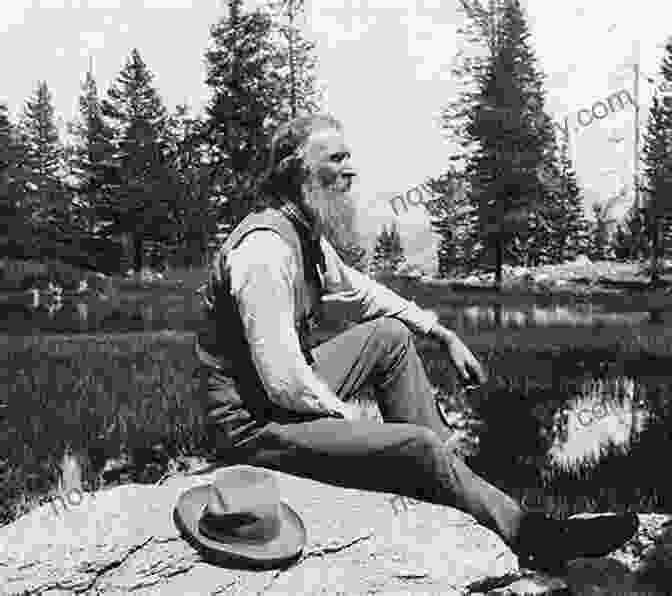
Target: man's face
{"points": [[328, 157], [326, 191]]}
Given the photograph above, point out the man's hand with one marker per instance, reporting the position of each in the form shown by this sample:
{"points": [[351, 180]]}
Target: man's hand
{"points": [[345, 410], [468, 368]]}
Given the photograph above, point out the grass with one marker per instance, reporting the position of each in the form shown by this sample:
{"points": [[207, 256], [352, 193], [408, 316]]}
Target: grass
{"points": [[103, 395], [110, 394]]}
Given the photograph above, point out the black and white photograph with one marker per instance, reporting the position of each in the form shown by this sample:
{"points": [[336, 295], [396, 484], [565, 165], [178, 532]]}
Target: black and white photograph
{"points": [[307, 297]]}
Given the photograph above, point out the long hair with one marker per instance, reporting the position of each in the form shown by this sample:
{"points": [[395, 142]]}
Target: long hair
{"points": [[286, 170]]}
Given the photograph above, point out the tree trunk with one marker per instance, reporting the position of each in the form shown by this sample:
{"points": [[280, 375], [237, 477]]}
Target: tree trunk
{"points": [[499, 254], [655, 242], [137, 252]]}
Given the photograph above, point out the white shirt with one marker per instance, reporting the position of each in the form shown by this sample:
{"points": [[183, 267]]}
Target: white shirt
{"points": [[263, 271]]}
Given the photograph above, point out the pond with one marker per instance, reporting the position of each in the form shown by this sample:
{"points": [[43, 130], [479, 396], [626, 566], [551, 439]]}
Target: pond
{"points": [[495, 316], [151, 310], [156, 310]]}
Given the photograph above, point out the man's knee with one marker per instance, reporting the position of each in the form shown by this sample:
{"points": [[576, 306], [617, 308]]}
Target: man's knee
{"points": [[392, 331]]}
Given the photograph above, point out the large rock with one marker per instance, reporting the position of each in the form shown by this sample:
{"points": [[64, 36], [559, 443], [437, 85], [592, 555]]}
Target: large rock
{"points": [[123, 540]]}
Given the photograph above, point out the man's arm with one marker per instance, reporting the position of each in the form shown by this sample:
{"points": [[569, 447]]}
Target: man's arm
{"points": [[362, 298], [368, 299], [263, 268]]}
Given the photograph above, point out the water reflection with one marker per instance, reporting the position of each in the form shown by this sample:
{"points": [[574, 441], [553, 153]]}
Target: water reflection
{"points": [[83, 311], [22, 313], [604, 412], [54, 313], [497, 316], [53, 307]]}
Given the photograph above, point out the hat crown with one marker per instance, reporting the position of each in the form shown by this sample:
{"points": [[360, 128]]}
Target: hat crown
{"points": [[244, 504]]}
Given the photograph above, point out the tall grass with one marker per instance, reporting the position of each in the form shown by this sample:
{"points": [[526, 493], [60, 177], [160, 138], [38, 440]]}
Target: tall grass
{"points": [[100, 395]]}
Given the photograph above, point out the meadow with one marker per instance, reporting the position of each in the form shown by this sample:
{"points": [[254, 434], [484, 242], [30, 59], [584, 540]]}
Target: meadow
{"points": [[132, 396]]}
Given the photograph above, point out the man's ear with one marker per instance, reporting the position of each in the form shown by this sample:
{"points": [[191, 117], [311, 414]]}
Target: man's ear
{"points": [[293, 169]]}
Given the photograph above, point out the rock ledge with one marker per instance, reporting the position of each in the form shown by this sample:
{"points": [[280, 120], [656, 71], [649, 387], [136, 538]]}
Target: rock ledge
{"points": [[122, 540]]}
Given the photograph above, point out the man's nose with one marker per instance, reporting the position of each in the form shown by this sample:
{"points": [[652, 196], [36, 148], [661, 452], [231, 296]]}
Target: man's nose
{"points": [[348, 170]]}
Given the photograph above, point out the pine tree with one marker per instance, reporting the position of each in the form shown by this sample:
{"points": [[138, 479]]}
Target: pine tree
{"points": [[568, 235], [621, 246], [515, 138], [91, 157], [388, 253], [300, 59], [460, 247], [599, 245], [194, 209], [44, 160], [144, 195], [658, 171], [450, 217], [506, 137], [244, 102], [15, 232], [633, 242], [255, 88]]}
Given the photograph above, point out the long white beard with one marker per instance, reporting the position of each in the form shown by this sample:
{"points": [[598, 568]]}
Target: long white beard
{"points": [[334, 211]]}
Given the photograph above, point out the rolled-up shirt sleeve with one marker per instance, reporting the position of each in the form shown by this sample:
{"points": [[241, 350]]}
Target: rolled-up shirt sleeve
{"points": [[263, 268], [360, 298]]}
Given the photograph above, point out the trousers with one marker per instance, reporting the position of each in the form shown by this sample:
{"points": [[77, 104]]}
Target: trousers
{"points": [[406, 454]]}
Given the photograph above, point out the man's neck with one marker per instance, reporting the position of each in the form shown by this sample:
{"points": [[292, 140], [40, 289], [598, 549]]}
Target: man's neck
{"points": [[304, 218]]}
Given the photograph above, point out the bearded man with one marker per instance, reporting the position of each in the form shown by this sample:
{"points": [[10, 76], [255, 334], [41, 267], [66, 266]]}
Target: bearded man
{"points": [[274, 400]]}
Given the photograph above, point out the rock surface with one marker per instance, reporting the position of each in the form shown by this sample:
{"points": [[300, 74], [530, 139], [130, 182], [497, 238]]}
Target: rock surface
{"points": [[123, 540]]}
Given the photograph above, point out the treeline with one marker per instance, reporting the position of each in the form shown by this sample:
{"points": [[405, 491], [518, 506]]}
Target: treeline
{"points": [[515, 199], [137, 185]]}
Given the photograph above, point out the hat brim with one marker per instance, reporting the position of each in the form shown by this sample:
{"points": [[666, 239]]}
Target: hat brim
{"points": [[282, 550]]}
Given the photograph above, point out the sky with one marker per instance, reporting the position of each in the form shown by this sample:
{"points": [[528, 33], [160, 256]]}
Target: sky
{"points": [[385, 67]]}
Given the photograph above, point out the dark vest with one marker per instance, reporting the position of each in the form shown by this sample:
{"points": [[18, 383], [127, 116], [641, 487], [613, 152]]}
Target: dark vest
{"points": [[224, 338], [222, 343]]}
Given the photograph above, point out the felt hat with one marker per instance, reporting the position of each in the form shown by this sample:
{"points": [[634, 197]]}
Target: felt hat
{"points": [[239, 520]]}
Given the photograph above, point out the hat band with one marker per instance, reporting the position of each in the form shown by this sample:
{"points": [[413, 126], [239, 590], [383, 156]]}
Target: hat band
{"points": [[238, 527]]}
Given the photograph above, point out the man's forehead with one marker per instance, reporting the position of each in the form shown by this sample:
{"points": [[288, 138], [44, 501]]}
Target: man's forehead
{"points": [[328, 140]]}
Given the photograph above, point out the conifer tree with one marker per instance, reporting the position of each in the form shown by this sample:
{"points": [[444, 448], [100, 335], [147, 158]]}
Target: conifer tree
{"points": [[621, 243], [243, 105], [44, 161], [254, 89], [194, 211], [388, 253], [658, 172], [634, 229], [568, 233], [515, 138], [91, 156], [450, 217], [15, 233], [144, 194], [300, 62], [599, 245], [506, 137]]}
